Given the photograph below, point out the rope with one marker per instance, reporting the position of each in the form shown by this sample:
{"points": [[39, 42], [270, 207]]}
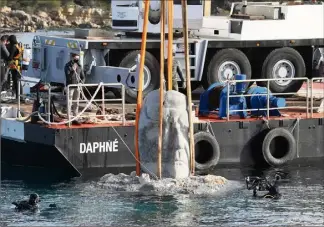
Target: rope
{"points": [[266, 121], [76, 117], [295, 124]]}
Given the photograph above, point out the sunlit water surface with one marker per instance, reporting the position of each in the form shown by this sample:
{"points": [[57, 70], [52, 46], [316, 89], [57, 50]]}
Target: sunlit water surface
{"points": [[82, 202]]}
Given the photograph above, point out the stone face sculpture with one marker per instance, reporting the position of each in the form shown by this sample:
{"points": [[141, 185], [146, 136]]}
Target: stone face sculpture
{"points": [[175, 145]]}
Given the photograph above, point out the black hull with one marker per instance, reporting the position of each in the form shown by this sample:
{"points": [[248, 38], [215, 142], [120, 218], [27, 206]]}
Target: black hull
{"points": [[56, 152]]}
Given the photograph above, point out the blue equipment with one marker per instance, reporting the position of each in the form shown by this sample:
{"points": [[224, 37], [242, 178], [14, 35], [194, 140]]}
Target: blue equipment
{"points": [[215, 97], [235, 103], [209, 100], [260, 102]]}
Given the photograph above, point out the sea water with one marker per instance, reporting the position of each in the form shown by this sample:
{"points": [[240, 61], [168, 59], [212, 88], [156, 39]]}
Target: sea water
{"points": [[84, 202]]}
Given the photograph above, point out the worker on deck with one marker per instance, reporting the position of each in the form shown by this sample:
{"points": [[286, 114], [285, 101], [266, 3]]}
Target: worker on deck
{"points": [[15, 55], [74, 75], [176, 70], [4, 56]]}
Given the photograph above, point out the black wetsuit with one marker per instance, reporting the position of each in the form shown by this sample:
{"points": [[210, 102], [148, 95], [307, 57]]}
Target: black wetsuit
{"points": [[3, 64], [273, 190], [13, 52]]}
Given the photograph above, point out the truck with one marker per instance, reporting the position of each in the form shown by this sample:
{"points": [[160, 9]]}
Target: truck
{"points": [[258, 39]]}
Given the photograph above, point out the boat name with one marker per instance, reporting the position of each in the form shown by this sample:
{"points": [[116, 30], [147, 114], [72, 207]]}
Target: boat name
{"points": [[109, 146]]}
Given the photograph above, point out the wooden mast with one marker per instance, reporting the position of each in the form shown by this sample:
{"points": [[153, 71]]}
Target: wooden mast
{"points": [[170, 42], [140, 85], [162, 46], [188, 78]]}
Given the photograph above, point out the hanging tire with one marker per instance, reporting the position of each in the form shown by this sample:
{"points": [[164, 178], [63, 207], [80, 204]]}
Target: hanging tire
{"points": [[282, 63], [151, 74], [207, 151], [279, 147], [225, 64]]}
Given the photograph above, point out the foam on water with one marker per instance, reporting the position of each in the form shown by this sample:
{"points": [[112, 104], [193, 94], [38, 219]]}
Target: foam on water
{"points": [[197, 185]]}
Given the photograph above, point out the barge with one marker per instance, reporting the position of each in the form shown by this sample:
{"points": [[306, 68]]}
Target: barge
{"points": [[99, 147]]}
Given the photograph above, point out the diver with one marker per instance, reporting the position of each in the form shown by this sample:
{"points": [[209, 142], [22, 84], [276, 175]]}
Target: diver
{"points": [[15, 55], [262, 184], [273, 189], [31, 204], [74, 75], [4, 56]]}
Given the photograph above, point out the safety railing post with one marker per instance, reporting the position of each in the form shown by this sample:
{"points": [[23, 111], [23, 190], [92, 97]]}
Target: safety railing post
{"points": [[123, 103], [307, 99], [268, 99], [312, 98], [103, 112], [49, 103], [18, 97], [227, 101], [68, 105]]}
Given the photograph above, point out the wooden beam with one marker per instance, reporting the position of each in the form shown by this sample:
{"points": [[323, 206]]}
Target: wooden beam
{"points": [[140, 85]]}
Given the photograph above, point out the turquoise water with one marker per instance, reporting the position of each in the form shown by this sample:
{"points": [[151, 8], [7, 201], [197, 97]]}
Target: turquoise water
{"points": [[82, 202]]}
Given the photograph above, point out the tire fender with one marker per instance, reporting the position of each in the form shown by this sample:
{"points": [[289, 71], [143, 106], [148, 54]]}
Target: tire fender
{"points": [[287, 153], [207, 151]]}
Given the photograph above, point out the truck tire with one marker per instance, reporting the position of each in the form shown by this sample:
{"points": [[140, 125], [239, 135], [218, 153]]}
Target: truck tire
{"points": [[151, 74], [233, 60], [288, 63], [207, 151], [277, 153]]}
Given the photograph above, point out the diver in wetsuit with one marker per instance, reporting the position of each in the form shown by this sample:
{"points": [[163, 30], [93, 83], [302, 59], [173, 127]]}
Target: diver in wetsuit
{"points": [[273, 189], [31, 204], [262, 184]]}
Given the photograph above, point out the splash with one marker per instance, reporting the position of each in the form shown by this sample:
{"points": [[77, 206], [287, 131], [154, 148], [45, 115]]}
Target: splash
{"points": [[197, 185]]}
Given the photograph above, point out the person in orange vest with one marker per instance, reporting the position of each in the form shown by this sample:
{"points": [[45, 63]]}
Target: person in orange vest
{"points": [[15, 56]]}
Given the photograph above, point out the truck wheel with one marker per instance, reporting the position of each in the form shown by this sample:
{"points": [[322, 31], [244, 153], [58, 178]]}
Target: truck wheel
{"points": [[151, 74], [283, 63], [225, 65]]}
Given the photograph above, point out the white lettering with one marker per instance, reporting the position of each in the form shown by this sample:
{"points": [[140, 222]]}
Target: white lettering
{"points": [[82, 148], [95, 146], [102, 147], [109, 146], [89, 148], [115, 146]]}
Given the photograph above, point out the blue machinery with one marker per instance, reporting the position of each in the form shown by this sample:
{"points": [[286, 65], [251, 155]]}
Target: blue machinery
{"points": [[215, 98]]}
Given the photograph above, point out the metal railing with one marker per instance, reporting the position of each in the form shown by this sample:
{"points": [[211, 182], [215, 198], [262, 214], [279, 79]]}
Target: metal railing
{"points": [[309, 92], [229, 82], [312, 93], [102, 101]]}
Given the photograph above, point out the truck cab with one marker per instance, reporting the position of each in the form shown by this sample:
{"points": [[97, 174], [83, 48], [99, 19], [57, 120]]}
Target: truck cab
{"points": [[128, 15]]}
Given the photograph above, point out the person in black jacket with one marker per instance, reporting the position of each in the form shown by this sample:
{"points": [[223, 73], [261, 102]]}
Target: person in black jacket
{"points": [[4, 60], [74, 75], [14, 54]]}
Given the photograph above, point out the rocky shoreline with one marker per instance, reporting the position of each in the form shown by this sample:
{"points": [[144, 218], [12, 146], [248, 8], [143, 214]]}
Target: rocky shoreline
{"points": [[63, 17]]}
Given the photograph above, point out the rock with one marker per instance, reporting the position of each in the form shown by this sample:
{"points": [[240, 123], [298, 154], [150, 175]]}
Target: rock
{"points": [[21, 15], [175, 145], [42, 14], [5, 9]]}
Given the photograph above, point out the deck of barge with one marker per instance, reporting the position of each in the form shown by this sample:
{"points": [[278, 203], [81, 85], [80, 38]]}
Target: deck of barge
{"points": [[290, 113]]}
